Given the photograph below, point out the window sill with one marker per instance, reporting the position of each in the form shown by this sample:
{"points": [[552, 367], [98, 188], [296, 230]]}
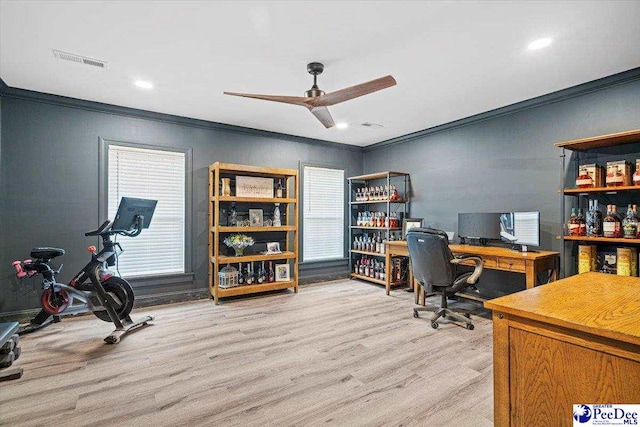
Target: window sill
{"points": [[164, 279]]}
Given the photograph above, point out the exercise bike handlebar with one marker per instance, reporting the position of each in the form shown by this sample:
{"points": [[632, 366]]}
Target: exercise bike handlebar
{"points": [[104, 230], [100, 229]]}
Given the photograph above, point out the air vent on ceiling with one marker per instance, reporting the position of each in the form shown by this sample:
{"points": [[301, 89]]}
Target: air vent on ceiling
{"points": [[79, 59], [372, 125]]}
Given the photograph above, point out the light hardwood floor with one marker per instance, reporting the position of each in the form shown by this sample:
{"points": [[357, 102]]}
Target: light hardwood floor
{"points": [[339, 354]]}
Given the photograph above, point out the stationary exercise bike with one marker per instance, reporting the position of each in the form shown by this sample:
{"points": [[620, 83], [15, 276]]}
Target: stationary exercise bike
{"points": [[94, 288]]}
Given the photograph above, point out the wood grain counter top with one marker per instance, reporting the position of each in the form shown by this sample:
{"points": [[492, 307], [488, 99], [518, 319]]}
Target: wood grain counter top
{"points": [[600, 304]]}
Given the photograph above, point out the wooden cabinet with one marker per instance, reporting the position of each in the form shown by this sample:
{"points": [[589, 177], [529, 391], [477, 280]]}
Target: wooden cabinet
{"points": [[599, 150], [387, 206], [264, 207], [573, 341]]}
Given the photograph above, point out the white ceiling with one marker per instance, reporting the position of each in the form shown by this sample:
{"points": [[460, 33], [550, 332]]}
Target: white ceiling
{"points": [[451, 59]]}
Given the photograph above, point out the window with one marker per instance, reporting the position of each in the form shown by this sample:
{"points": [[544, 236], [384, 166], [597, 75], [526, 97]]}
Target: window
{"points": [[323, 213], [150, 174]]}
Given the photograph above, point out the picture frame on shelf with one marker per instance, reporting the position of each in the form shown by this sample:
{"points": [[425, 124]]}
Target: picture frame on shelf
{"points": [[409, 223], [256, 218], [282, 273], [273, 248], [250, 186]]}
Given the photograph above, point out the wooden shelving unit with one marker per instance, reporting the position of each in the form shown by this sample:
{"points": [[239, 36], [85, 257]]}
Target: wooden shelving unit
{"points": [[597, 149], [287, 233], [401, 206]]}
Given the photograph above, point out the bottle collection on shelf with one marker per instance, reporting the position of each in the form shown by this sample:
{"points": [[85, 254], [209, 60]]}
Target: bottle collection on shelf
{"points": [[618, 174], [370, 267], [378, 193], [248, 274], [378, 219], [594, 224], [372, 243]]}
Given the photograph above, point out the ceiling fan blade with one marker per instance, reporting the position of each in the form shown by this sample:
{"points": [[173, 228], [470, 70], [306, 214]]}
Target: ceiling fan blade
{"points": [[322, 114], [355, 91], [296, 100]]}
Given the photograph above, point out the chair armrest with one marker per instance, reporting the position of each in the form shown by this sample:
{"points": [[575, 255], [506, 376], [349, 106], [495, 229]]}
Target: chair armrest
{"points": [[477, 268]]}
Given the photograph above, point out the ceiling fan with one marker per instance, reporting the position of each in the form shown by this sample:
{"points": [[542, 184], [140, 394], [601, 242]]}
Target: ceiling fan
{"points": [[317, 101]]}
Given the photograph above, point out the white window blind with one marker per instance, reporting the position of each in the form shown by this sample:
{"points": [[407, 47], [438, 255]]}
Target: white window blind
{"points": [[158, 175], [323, 214]]}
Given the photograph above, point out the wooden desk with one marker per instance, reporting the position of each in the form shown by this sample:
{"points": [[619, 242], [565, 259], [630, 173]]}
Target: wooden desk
{"points": [[494, 258], [573, 341]]}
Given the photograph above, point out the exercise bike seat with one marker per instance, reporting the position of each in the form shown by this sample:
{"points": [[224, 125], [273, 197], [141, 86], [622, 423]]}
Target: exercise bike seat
{"points": [[46, 253]]}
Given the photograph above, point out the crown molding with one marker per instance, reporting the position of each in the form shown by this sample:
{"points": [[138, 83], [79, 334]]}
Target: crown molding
{"points": [[558, 96], [28, 95]]}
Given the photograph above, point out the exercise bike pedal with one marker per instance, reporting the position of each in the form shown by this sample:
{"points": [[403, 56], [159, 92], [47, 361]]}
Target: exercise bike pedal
{"points": [[128, 325]]}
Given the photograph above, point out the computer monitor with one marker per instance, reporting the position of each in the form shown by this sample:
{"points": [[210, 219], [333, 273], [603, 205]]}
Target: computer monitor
{"points": [[479, 227], [522, 228], [130, 210]]}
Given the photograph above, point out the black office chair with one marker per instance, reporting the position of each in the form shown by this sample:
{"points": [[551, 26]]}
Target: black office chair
{"points": [[439, 272]]}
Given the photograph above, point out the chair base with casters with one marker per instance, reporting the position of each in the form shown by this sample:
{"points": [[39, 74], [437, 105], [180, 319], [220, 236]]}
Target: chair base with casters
{"points": [[440, 273], [444, 311]]}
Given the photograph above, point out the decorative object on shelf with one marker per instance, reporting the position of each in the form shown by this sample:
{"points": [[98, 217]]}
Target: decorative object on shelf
{"points": [[273, 248], [233, 215], [255, 217], [228, 277], [268, 222], [226, 186], [276, 216], [239, 242], [408, 224], [250, 186], [279, 189], [282, 273]]}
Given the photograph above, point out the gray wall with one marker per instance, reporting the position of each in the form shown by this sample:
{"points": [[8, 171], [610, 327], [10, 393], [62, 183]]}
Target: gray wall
{"points": [[505, 163], [49, 178], [501, 160]]}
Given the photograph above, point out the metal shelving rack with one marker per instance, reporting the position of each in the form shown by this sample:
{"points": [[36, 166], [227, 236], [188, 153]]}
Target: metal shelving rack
{"points": [[401, 181], [598, 149]]}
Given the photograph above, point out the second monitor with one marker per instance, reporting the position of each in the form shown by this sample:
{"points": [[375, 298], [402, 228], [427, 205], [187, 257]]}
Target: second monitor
{"points": [[519, 228]]}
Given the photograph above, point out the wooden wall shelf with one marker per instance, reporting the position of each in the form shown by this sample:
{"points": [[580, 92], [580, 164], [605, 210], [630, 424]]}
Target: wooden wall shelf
{"points": [[289, 228]]}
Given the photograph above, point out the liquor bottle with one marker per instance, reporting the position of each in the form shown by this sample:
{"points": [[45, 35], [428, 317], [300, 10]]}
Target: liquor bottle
{"points": [[385, 193], [590, 218], [272, 272], [573, 225], [611, 223], [280, 189], [629, 224], [582, 224], [584, 180], [598, 217], [615, 178], [262, 274], [249, 274], [355, 266], [240, 275]]}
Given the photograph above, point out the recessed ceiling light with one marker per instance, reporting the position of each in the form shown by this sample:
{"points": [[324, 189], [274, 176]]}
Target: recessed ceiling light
{"points": [[342, 125], [539, 44], [143, 85]]}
